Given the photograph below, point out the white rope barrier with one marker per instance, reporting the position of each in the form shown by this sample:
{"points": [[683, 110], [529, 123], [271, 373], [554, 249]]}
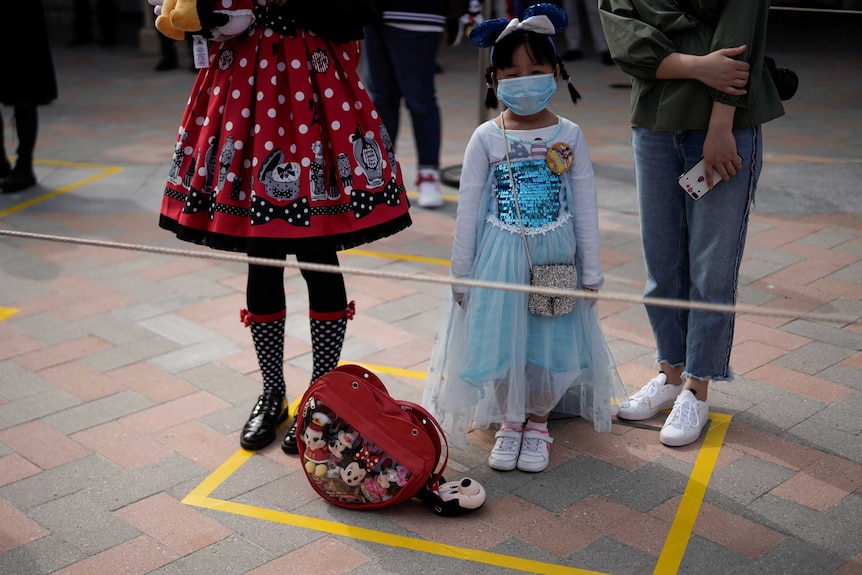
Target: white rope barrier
{"points": [[424, 278]]}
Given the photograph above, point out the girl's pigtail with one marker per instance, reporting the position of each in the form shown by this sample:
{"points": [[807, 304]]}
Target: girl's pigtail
{"points": [[573, 93], [490, 95]]}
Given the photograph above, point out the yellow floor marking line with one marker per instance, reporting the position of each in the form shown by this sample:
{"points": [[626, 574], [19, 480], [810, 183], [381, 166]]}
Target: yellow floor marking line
{"points": [[105, 172], [668, 562], [692, 498], [397, 371], [199, 497], [7, 312], [405, 257]]}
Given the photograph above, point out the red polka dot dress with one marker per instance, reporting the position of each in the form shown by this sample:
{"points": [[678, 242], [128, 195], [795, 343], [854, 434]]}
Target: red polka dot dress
{"points": [[280, 148]]}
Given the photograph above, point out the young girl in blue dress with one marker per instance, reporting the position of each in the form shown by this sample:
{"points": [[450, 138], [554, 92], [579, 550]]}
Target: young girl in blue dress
{"points": [[494, 363]]}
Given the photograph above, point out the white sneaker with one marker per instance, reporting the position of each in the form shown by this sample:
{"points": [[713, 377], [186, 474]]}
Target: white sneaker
{"points": [[655, 396], [430, 195], [686, 420], [504, 455], [535, 451]]}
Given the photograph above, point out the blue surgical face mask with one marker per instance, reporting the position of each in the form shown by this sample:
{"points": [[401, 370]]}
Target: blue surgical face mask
{"points": [[527, 95]]}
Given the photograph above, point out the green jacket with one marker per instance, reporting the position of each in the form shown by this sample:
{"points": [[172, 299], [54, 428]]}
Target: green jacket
{"points": [[641, 33]]}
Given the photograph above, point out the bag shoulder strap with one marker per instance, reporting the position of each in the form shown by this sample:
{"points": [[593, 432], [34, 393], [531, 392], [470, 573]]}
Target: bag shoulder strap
{"points": [[515, 192]]}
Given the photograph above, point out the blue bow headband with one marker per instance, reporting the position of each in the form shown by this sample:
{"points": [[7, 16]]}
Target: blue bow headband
{"points": [[546, 19]]}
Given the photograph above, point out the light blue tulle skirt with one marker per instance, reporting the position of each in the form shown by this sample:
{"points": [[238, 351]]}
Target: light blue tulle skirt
{"points": [[494, 361]]}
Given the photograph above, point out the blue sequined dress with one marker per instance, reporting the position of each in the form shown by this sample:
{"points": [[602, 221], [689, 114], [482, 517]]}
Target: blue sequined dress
{"points": [[492, 360]]}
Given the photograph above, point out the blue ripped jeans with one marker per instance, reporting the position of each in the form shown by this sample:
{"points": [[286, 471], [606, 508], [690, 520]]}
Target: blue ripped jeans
{"points": [[693, 248]]}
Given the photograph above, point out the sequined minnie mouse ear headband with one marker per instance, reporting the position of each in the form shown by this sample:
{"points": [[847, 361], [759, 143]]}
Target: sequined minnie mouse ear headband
{"points": [[546, 19]]}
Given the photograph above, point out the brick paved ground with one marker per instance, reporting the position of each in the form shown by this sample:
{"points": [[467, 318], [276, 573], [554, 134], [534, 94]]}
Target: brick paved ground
{"points": [[125, 377]]}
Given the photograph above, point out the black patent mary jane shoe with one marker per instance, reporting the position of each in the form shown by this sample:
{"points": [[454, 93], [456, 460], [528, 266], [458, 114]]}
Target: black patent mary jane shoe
{"points": [[259, 430], [17, 181], [289, 445]]}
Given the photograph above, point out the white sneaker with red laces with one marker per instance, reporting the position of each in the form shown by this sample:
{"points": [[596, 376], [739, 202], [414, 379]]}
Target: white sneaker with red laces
{"points": [[430, 195]]}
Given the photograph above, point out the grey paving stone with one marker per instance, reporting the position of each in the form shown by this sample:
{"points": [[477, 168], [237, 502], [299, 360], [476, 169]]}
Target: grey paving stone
{"points": [[27, 267], [782, 411], [814, 357], [846, 311], [235, 554], [47, 328], [133, 284], [702, 556], [851, 274], [231, 419], [40, 557], [625, 351], [296, 323], [255, 472], [275, 539], [792, 557], [223, 382], [824, 436], [811, 529], [632, 272], [111, 328], [354, 348], [648, 486], [177, 329], [129, 353], [17, 290], [219, 273], [18, 383], [423, 324], [843, 415], [843, 374], [608, 555], [80, 266], [195, 355], [754, 269], [126, 487], [570, 482], [406, 307], [751, 296], [747, 478], [830, 237], [162, 303], [780, 258], [289, 494], [850, 248], [35, 407], [88, 527], [58, 482], [197, 284], [124, 275], [98, 411], [515, 547]]}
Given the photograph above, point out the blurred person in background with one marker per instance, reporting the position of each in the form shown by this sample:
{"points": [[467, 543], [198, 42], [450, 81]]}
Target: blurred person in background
{"points": [[28, 81]]}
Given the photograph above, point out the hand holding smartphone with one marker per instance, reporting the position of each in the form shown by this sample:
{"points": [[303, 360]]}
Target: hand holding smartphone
{"points": [[694, 180]]}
